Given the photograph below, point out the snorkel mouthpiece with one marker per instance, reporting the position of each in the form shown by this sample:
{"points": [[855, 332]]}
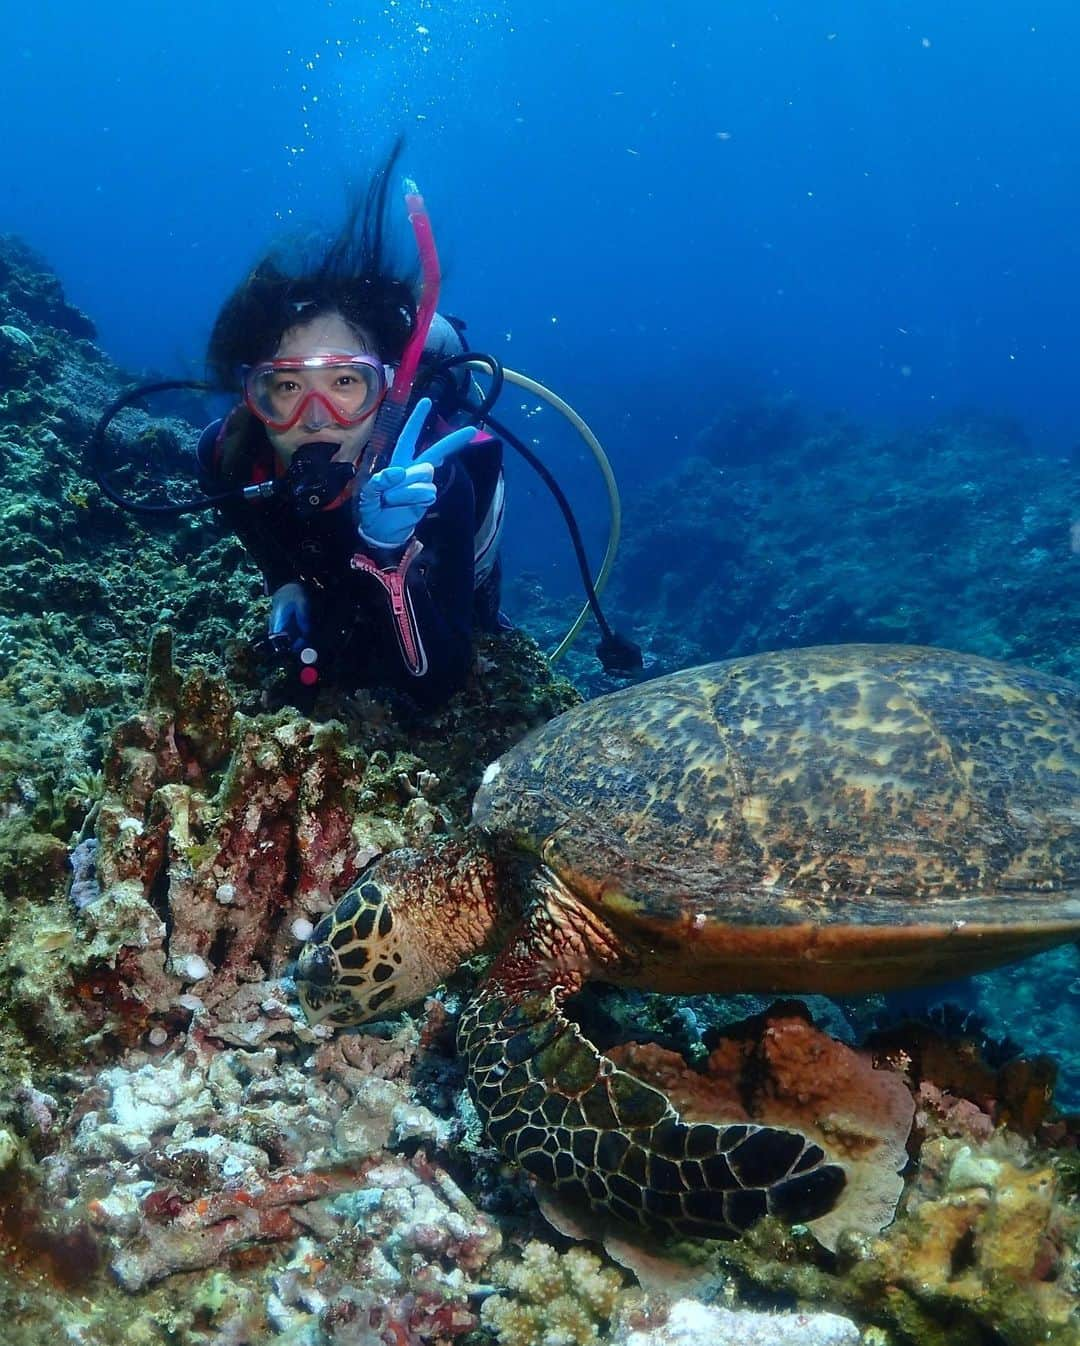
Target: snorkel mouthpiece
{"points": [[391, 415]]}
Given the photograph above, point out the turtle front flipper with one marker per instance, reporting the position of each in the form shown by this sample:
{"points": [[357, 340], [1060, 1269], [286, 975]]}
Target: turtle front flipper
{"points": [[574, 1120]]}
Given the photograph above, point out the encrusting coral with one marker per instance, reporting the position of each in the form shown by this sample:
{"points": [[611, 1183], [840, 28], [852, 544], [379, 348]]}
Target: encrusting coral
{"points": [[981, 1227], [171, 1164]]}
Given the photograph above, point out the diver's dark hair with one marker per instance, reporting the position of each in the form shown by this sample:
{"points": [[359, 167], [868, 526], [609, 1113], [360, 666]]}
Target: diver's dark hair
{"points": [[353, 275]]}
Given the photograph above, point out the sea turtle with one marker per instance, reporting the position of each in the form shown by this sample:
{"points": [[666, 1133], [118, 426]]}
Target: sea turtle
{"points": [[837, 819]]}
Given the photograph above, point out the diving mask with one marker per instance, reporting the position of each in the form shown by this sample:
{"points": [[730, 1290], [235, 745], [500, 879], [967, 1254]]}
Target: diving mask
{"points": [[345, 388]]}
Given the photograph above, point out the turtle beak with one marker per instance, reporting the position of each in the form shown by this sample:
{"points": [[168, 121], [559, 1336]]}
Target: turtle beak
{"points": [[316, 971], [316, 965]]}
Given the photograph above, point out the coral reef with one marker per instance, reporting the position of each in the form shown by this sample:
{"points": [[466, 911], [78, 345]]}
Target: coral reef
{"points": [[988, 1233], [219, 838], [986, 1245], [550, 1296], [183, 1162], [924, 536], [570, 1299], [692, 1324], [172, 1163], [80, 581]]}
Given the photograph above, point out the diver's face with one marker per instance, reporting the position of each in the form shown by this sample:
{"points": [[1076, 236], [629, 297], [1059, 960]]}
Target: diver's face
{"points": [[328, 334]]}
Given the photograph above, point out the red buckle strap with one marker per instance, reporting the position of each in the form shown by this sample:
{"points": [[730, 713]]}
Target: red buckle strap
{"points": [[392, 580]]}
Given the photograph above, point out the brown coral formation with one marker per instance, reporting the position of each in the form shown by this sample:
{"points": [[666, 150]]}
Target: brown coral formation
{"points": [[220, 838], [954, 1082], [216, 834]]}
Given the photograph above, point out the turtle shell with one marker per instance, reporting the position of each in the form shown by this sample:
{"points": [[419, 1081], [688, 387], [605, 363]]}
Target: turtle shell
{"points": [[837, 819]]}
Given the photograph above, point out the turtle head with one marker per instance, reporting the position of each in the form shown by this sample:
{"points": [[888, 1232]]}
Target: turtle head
{"points": [[400, 930]]}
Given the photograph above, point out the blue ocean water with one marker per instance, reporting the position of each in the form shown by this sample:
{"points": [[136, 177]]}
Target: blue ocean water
{"points": [[869, 206]]}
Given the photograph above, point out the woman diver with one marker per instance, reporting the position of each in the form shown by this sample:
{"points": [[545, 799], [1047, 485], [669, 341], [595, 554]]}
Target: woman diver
{"points": [[374, 516], [377, 540]]}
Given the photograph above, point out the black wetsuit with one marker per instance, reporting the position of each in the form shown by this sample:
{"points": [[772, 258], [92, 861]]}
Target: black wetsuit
{"points": [[452, 584]]}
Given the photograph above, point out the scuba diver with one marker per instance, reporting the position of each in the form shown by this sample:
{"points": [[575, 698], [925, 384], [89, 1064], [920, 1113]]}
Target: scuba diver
{"points": [[358, 470], [380, 553]]}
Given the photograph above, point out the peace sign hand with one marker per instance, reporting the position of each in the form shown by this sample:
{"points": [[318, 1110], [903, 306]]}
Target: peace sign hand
{"points": [[394, 500]]}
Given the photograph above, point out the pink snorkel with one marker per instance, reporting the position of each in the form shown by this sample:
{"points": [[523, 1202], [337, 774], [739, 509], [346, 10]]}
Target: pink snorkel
{"points": [[391, 415], [388, 423]]}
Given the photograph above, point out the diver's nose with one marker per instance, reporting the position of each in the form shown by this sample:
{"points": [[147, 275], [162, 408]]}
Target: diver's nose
{"points": [[315, 965], [315, 414]]}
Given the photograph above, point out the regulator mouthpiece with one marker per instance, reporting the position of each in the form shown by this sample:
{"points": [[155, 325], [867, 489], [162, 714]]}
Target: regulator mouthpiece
{"points": [[312, 481]]}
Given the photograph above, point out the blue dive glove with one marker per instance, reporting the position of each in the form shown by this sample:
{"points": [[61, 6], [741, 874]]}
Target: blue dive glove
{"points": [[290, 615], [393, 501]]}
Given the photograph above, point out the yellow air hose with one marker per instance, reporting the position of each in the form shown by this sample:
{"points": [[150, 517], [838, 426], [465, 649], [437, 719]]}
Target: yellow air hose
{"points": [[531, 385]]}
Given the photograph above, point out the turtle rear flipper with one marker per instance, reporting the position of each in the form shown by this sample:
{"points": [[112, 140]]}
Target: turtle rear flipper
{"points": [[578, 1123]]}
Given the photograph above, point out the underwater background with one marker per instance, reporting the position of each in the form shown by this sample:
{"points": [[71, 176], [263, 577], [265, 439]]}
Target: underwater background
{"points": [[810, 273], [651, 208]]}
